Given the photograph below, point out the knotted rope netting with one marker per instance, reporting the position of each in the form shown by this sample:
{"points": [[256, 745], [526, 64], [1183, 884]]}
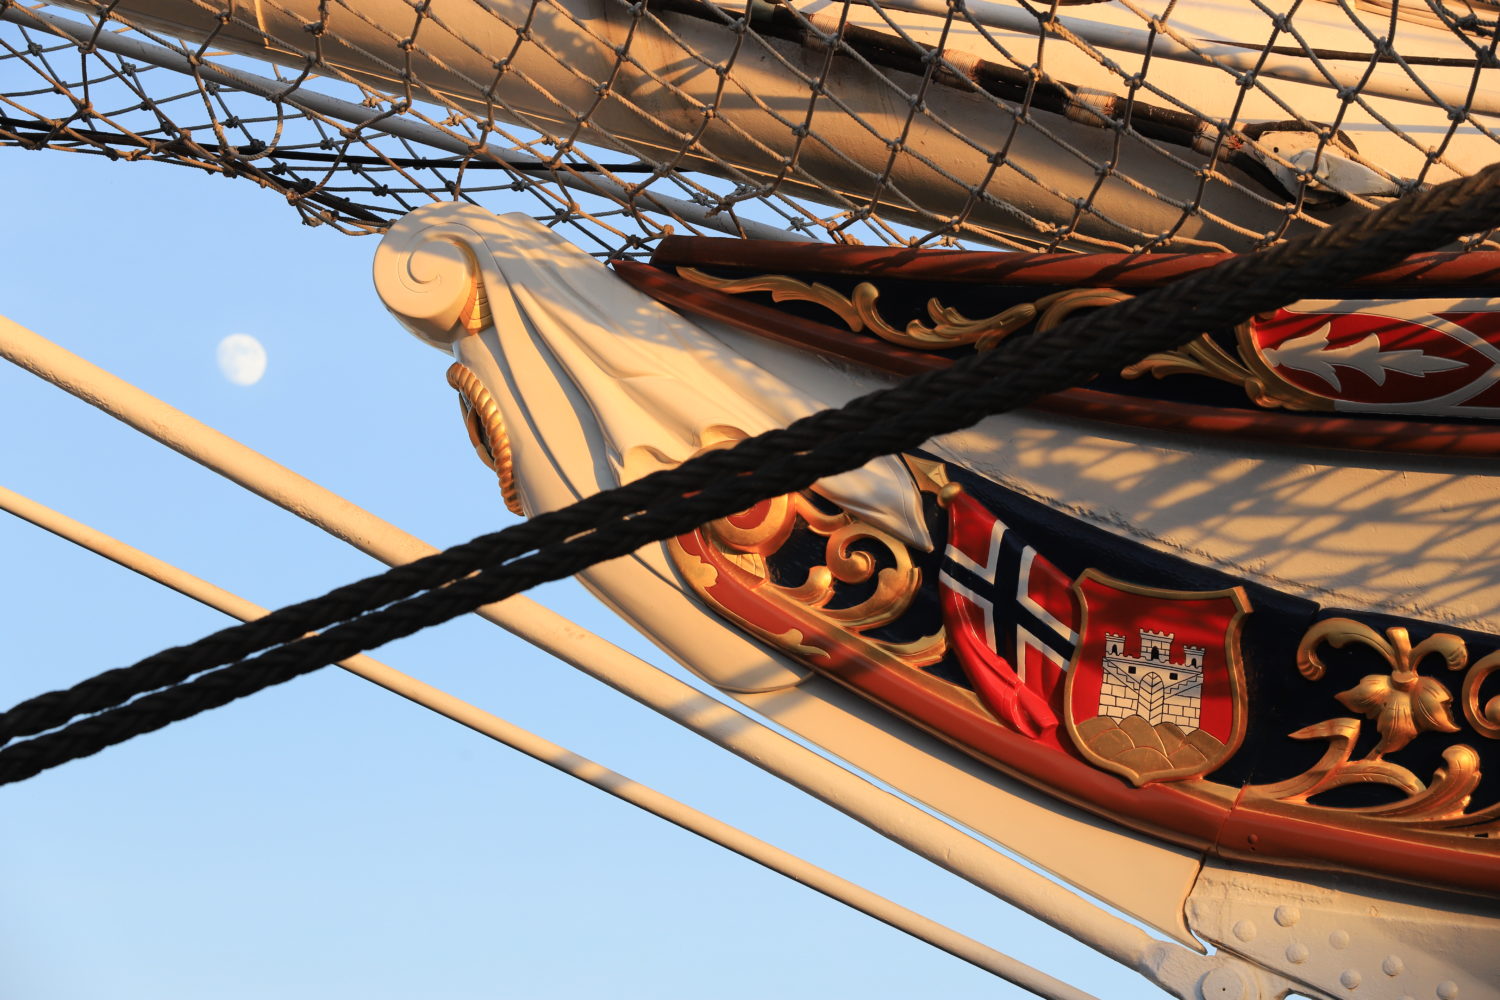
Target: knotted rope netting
{"points": [[1117, 125]]}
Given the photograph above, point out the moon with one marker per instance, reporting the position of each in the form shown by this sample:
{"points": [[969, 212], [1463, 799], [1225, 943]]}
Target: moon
{"points": [[242, 359]]}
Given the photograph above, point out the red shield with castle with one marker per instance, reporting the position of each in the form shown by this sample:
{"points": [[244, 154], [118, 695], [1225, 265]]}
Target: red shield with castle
{"points": [[1156, 689]]}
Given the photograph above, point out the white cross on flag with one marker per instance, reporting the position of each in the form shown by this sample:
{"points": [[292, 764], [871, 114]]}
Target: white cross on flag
{"points": [[1011, 616]]}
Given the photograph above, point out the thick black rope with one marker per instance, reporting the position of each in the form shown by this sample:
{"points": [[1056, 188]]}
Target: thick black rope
{"points": [[667, 503]]}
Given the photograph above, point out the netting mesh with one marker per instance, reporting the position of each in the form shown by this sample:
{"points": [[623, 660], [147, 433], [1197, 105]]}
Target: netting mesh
{"points": [[1107, 125]]}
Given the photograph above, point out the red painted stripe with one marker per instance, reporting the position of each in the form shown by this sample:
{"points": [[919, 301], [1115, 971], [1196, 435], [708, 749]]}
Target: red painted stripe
{"points": [[1113, 270]]}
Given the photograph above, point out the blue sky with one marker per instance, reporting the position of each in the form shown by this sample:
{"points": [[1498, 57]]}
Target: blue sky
{"points": [[325, 839]]}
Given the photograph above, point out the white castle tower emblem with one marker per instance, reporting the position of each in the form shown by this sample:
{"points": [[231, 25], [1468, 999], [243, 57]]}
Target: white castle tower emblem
{"points": [[1151, 685]]}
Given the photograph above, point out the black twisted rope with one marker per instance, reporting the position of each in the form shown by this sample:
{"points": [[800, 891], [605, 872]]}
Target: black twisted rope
{"points": [[670, 502]]}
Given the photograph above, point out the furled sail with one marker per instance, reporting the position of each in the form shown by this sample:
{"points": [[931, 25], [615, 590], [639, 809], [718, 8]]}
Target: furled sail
{"points": [[1207, 124]]}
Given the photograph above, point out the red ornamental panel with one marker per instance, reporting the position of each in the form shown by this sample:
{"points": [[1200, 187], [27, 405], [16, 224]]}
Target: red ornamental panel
{"points": [[1416, 356], [1156, 689]]}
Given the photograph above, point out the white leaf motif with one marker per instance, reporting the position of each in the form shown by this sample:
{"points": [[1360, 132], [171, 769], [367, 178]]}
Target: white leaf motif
{"points": [[1311, 353]]}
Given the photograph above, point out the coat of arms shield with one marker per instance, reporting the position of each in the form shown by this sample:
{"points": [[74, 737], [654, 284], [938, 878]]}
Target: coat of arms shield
{"points": [[1156, 689]]}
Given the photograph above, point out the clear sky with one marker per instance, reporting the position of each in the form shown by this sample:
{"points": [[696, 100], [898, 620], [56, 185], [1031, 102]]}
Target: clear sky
{"points": [[325, 839]]}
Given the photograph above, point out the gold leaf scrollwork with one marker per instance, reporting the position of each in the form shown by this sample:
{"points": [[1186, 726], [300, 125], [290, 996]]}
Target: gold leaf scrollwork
{"points": [[1436, 804], [1053, 309], [1335, 769], [1403, 705], [1200, 357], [486, 432], [1205, 357], [743, 544], [860, 311], [1447, 796], [1485, 718]]}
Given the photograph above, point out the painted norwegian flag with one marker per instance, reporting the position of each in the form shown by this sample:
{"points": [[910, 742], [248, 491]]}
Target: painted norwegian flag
{"points": [[1011, 617]]}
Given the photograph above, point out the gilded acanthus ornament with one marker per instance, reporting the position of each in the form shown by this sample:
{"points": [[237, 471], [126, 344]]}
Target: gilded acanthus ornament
{"points": [[1205, 357], [728, 564], [1402, 703], [950, 328]]}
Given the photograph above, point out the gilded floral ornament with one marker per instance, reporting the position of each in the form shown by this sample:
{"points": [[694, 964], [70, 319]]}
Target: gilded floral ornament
{"points": [[1402, 706], [1403, 703]]}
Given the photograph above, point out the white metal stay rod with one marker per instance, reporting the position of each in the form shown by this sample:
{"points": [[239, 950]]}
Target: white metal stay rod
{"points": [[887, 814], [564, 760], [355, 114]]}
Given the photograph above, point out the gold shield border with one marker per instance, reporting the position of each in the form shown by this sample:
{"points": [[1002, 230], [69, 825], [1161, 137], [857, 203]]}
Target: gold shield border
{"points": [[1238, 695]]}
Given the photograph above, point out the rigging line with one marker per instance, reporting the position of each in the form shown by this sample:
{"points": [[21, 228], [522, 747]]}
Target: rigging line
{"points": [[317, 104], [615, 522], [256, 150], [559, 758], [723, 725], [1018, 370]]}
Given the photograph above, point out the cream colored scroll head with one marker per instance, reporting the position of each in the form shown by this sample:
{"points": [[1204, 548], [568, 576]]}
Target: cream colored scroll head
{"points": [[609, 384]]}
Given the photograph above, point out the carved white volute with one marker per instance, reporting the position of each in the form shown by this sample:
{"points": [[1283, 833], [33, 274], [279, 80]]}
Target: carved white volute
{"points": [[427, 277], [568, 338], [591, 383]]}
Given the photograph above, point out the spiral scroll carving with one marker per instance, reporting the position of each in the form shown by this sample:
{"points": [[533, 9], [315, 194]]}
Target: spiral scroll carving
{"points": [[427, 272]]}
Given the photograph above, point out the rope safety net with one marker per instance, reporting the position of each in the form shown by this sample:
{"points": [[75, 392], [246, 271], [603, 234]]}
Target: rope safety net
{"points": [[1075, 124]]}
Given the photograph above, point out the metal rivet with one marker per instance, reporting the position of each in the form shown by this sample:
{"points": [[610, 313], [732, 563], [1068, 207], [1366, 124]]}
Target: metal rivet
{"points": [[1350, 979], [1286, 916], [1392, 966], [1339, 939], [1222, 984], [1447, 990], [1297, 953], [1245, 930]]}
